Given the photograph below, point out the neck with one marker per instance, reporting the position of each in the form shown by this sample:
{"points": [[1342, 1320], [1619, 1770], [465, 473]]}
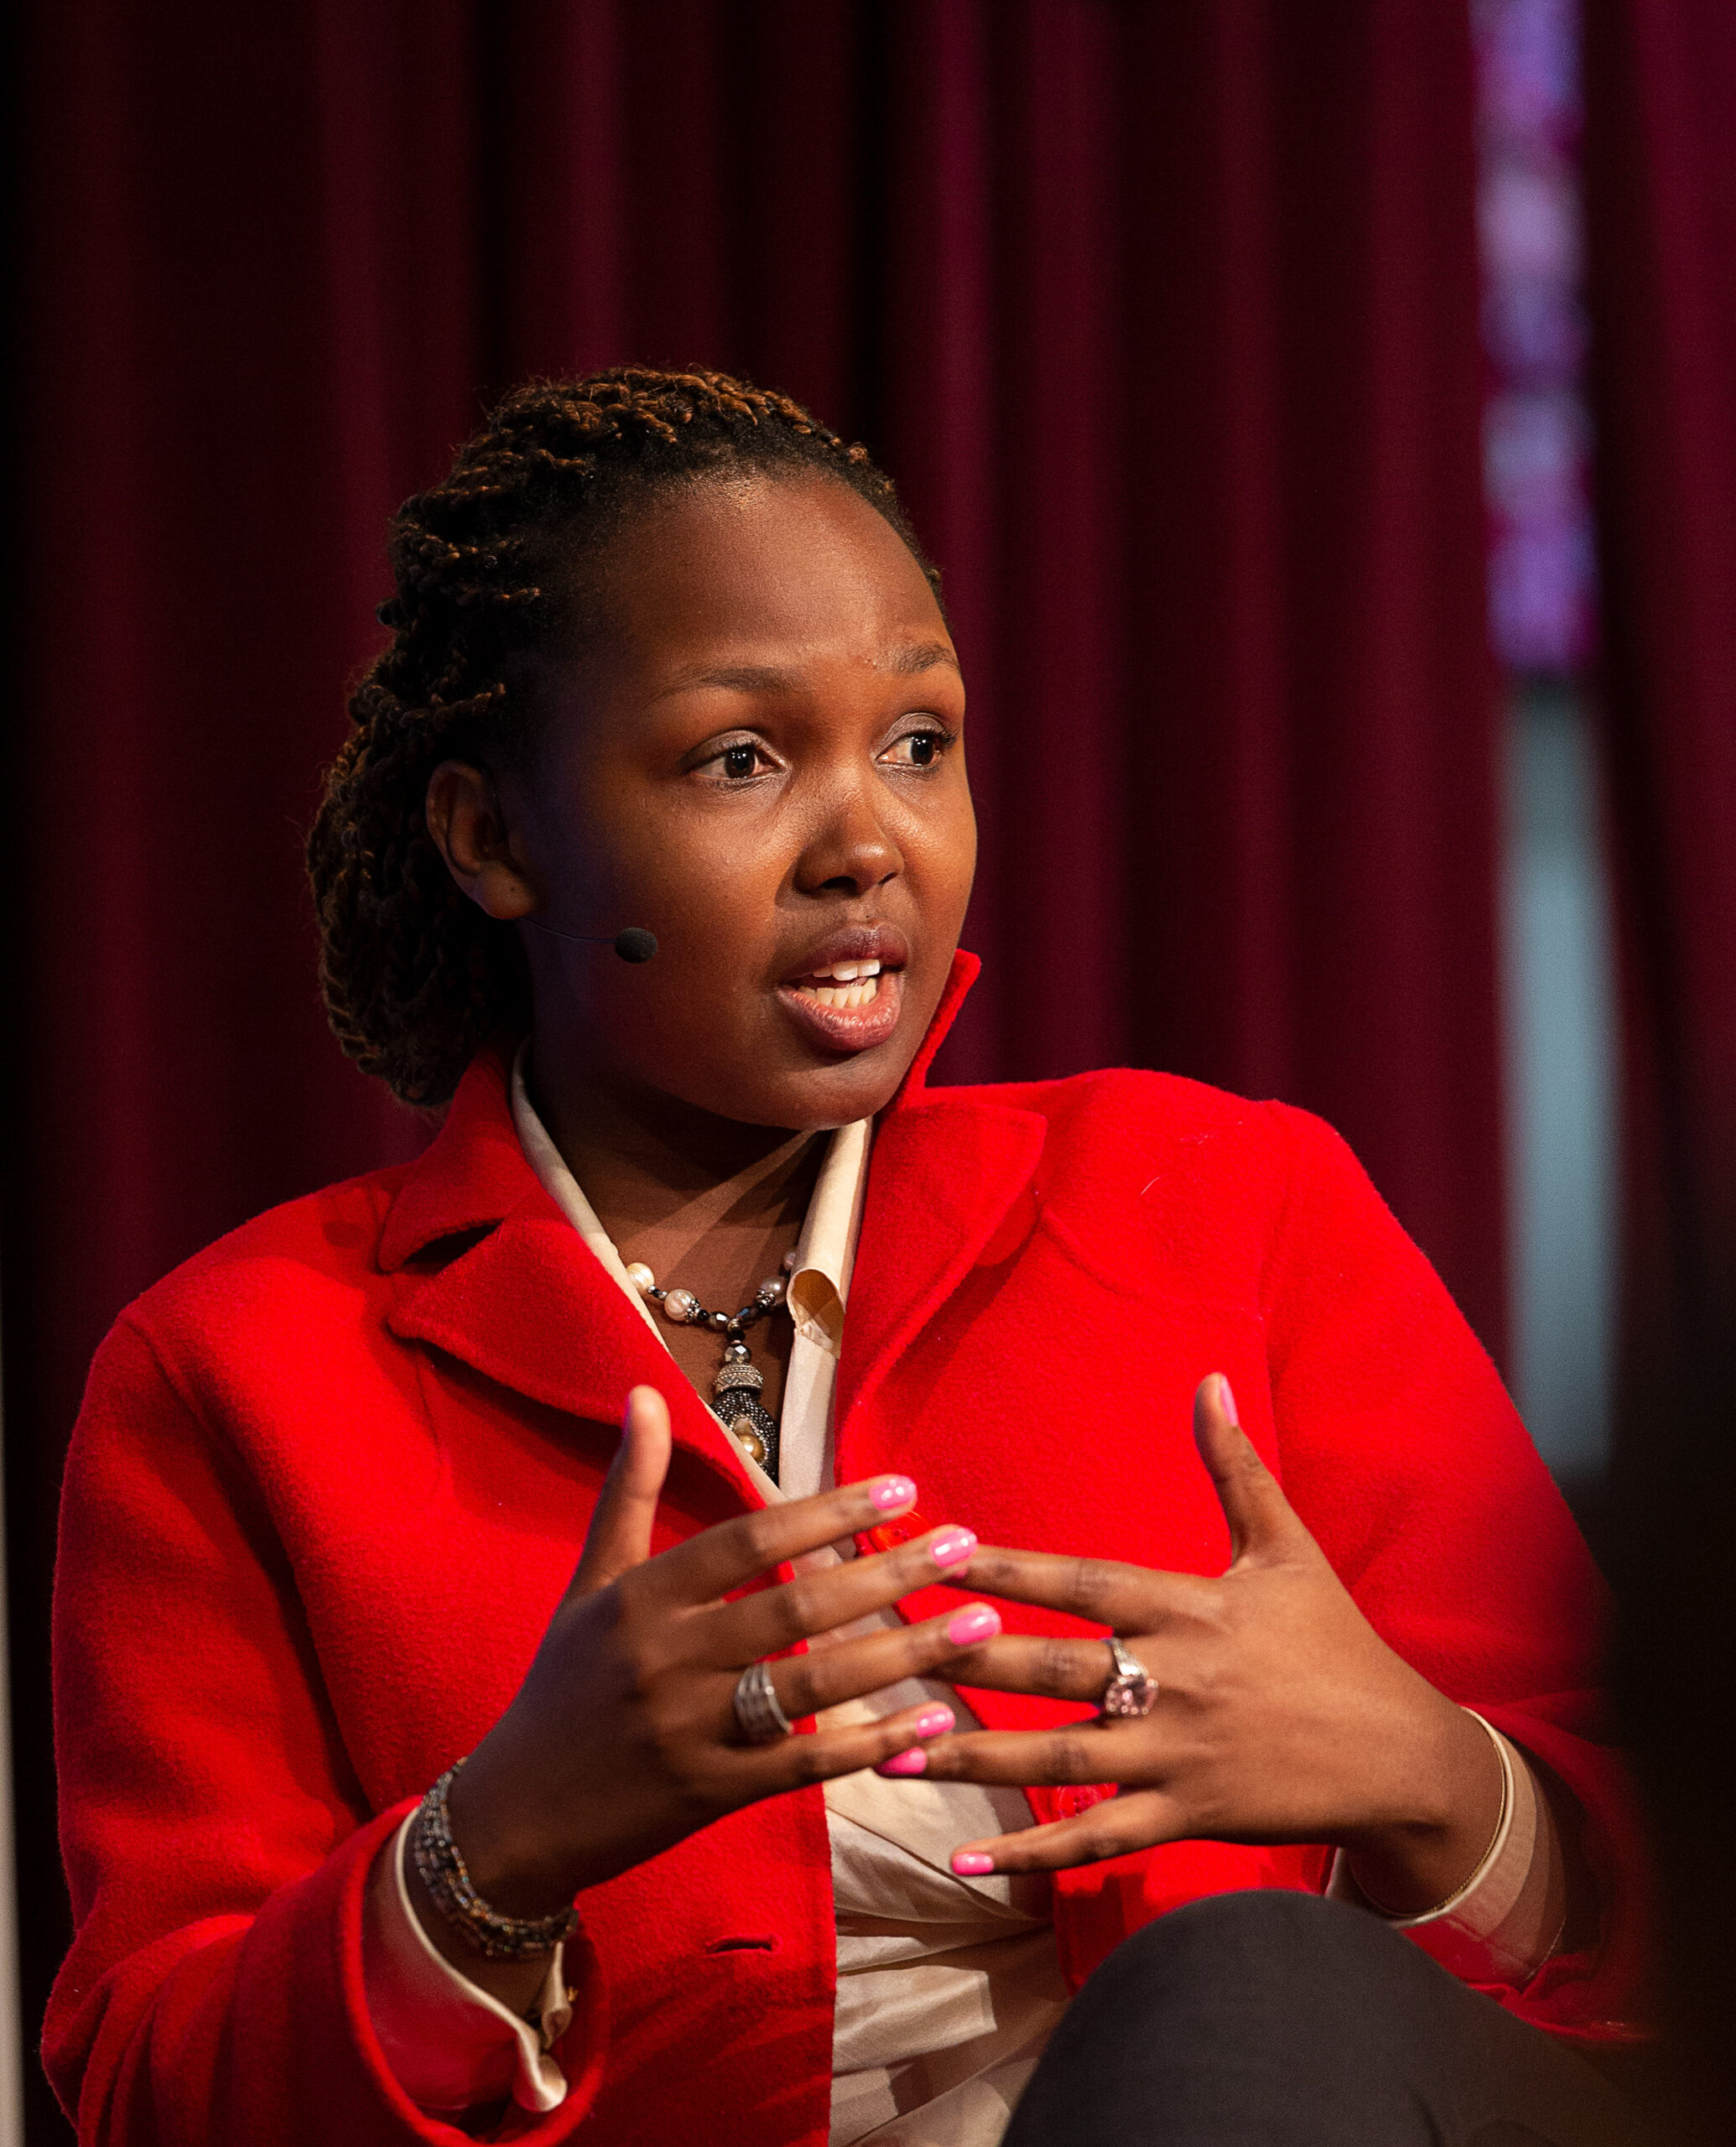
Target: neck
{"points": [[651, 1164]]}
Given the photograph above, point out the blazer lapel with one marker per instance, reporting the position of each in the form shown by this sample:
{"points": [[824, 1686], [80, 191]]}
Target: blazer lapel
{"points": [[525, 1301]]}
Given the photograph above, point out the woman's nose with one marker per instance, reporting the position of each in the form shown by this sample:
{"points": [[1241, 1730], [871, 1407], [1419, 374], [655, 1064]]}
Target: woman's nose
{"points": [[851, 851]]}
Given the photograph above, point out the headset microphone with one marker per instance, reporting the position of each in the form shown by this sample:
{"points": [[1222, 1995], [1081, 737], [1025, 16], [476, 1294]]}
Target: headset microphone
{"points": [[635, 944]]}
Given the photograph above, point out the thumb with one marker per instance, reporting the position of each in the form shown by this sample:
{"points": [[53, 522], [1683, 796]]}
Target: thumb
{"points": [[620, 1532], [1263, 1524]]}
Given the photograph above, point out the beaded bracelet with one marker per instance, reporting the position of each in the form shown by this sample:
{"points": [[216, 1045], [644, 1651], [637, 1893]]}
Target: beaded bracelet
{"points": [[441, 1865]]}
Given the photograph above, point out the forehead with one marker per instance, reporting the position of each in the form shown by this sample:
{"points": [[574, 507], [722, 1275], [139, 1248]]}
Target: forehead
{"points": [[799, 564]]}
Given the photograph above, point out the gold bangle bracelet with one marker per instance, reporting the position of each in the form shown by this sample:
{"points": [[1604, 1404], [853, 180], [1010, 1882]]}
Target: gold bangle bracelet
{"points": [[1485, 1862]]}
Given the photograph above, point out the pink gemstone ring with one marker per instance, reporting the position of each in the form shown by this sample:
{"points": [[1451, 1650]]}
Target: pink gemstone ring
{"points": [[1132, 1690]]}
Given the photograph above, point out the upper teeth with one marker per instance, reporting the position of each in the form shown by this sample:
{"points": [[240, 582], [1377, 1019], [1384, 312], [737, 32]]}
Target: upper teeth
{"points": [[843, 985]]}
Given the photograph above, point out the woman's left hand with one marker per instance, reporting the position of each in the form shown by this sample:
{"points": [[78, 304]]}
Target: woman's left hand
{"points": [[1281, 1715]]}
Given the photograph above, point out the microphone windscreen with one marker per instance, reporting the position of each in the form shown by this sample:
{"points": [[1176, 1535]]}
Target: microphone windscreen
{"points": [[635, 943]]}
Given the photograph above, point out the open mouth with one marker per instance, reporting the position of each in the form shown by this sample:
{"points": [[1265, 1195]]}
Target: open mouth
{"points": [[841, 984], [850, 997]]}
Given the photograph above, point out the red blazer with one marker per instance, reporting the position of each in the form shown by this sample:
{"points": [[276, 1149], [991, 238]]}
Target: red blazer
{"points": [[331, 1478]]}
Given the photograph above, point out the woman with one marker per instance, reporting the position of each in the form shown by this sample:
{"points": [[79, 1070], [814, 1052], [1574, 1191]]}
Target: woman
{"points": [[666, 656]]}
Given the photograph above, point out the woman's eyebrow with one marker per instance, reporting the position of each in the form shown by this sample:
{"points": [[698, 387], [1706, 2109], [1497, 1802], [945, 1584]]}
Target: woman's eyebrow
{"points": [[770, 679], [918, 656], [737, 677]]}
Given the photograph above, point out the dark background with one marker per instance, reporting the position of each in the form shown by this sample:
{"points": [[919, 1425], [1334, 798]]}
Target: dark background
{"points": [[1164, 314]]}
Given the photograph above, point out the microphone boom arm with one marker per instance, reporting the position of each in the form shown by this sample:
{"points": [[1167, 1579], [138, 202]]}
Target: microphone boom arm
{"points": [[634, 944]]}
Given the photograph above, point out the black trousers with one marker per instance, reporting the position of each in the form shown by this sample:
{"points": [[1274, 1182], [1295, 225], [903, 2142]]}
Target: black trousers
{"points": [[1275, 2019]]}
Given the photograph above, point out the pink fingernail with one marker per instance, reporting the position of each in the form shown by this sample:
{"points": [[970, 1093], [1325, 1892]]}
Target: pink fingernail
{"points": [[972, 1863], [1226, 1399], [952, 1546], [904, 1762], [978, 1622], [893, 1492], [935, 1722]]}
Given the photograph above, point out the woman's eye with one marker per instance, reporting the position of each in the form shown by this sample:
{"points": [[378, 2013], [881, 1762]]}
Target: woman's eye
{"points": [[919, 749], [739, 760]]}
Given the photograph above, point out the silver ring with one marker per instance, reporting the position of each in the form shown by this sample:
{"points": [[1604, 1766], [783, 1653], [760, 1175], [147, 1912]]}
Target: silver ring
{"points": [[762, 1721], [1132, 1690]]}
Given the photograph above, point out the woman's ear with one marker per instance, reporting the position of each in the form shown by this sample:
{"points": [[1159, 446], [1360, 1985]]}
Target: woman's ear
{"points": [[470, 831]]}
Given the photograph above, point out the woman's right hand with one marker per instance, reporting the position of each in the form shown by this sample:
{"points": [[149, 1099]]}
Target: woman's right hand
{"points": [[622, 1740]]}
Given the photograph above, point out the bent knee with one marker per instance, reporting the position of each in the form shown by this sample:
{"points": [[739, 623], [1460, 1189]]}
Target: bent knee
{"points": [[1247, 1950]]}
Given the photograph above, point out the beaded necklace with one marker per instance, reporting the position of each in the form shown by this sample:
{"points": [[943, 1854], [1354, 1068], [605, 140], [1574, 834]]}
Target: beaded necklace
{"points": [[736, 1388]]}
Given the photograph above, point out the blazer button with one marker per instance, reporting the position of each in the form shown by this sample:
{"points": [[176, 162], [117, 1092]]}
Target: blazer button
{"points": [[888, 1534], [1073, 1801]]}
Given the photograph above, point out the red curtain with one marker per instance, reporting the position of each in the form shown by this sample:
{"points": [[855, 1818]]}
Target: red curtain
{"points": [[1661, 176], [1165, 319], [1661, 184]]}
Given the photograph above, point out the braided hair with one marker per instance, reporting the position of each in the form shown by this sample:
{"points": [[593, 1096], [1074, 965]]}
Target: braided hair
{"points": [[492, 565]]}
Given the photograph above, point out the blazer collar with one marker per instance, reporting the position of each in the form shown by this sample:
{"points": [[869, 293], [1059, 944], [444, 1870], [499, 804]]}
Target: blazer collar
{"points": [[472, 1175], [965, 970], [952, 1170], [951, 1183]]}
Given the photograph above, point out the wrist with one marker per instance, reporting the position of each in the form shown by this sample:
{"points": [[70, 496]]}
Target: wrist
{"points": [[500, 1933], [515, 1984], [1413, 1866], [509, 1865]]}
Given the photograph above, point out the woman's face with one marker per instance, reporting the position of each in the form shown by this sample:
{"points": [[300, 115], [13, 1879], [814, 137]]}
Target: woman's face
{"points": [[761, 760]]}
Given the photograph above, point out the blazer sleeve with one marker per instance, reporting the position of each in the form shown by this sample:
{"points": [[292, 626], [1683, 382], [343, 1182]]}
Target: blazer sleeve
{"points": [[217, 1843], [1399, 1449]]}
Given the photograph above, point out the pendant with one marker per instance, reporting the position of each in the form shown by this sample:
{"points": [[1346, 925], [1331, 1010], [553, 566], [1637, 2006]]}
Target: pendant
{"points": [[738, 1409]]}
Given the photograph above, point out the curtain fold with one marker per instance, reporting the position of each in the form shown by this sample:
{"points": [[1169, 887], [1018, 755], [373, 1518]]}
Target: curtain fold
{"points": [[1661, 184], [1307, 686], [1163, 318], [1660, 195]]}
